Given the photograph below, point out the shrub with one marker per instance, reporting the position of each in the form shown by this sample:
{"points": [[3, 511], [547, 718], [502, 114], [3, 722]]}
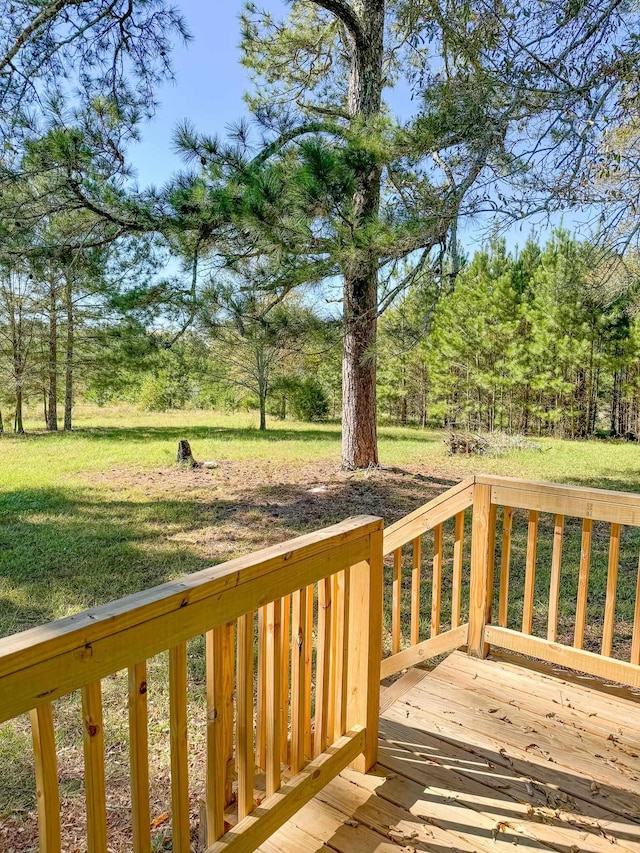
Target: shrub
{"points": [[309, 401]]}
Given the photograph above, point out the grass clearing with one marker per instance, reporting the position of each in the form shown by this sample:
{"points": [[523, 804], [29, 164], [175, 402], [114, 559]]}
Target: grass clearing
{"points": [[103, 512]]}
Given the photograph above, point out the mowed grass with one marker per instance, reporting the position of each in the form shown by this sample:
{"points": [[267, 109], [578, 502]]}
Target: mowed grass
{"points": [[87, 516], [119, 435], [104, 511]]}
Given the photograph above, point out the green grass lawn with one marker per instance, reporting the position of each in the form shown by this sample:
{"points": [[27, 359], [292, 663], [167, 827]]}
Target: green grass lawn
{"points": [[114, 436], [102, 512]]}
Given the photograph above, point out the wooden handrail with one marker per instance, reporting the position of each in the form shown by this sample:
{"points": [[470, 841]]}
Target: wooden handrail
{"points": [[44, 663], [596, 504], [448, 506], [440, 509], [486, 494], [559, 502], [548, 487]]}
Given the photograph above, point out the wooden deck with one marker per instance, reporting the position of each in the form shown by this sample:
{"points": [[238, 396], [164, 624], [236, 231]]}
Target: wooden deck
{"points": [[474, 755], [486, 755]]}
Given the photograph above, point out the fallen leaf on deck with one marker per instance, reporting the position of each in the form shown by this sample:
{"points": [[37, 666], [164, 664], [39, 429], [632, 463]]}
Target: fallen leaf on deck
{"points": [[501, 826]]}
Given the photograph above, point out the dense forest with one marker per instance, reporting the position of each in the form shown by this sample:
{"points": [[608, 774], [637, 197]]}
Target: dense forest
{"points": [[541, 341], [544, 342]]}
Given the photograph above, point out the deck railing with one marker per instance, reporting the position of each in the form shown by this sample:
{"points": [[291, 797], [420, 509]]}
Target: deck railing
{"points": [[305, 727], [566, 512], [477, 575], [294, 639], [442, 518]]}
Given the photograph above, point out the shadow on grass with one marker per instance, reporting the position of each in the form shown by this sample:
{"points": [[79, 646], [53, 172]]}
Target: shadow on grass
{"points": [[611, 480], [63, 550], [330, 434]]}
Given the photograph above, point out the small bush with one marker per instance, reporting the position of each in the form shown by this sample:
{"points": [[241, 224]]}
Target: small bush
{"points": [[160, 392], [309, 401]]}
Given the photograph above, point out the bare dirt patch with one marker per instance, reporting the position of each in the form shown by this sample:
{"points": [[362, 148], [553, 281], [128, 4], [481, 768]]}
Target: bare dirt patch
{"points": [[244, 506]]}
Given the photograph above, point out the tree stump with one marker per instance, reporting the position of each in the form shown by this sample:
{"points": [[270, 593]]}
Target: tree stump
{"points": [[185, 457]]}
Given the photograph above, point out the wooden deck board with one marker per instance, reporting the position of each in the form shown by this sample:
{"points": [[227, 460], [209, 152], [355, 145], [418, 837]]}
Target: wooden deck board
{"points": [[485, 755], [583, 713]]}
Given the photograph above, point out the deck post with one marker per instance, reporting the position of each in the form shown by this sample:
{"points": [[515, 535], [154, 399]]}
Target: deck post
{"points": [[364, 650], [481, 589]]}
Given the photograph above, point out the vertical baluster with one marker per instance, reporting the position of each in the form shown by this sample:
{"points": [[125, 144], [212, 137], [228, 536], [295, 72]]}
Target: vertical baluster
{"points": [[554, 586], [298, 653], [180, 818], [308, 660], [93, 739], [139, 758], [273, 695], [396, 602], [530, 573], [505, 566], [612, 589], [261, 722], [333, 663], [220, 683], [245, 755], [323, 656], [415, 590], [285, 634], [456, 590], [341, 653], [228, 689], [491, 562], [436, 586], [46, 767], [583, 583], [635, 642]]}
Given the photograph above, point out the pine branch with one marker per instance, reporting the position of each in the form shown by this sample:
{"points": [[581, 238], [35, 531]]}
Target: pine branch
{"points": [[48, 13], [295, 133], [347, 14]]}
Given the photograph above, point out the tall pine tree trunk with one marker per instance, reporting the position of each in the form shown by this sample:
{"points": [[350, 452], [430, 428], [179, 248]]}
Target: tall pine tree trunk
{"points": [[359, 430], [18, 426], [360, 304], [263, 412], [68, 376], [614, 411], [261, 375], [52, 415], [19, 362]]}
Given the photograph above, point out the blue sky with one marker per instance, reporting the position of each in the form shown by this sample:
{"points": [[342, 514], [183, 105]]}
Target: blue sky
{"points": [[208, 91]]}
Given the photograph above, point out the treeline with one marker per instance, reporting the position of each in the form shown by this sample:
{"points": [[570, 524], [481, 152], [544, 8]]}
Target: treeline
{"points": [[545, 341], [69, 323], [105, 328]]}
